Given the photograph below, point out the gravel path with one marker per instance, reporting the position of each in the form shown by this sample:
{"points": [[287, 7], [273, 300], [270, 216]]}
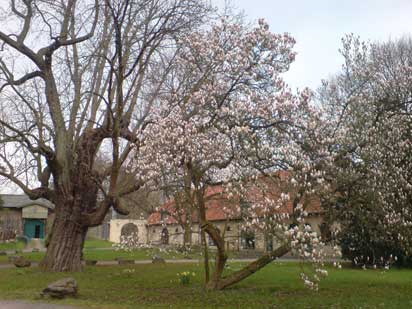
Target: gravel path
{"points": [[17, 304], [181, 261], [176, 261]]}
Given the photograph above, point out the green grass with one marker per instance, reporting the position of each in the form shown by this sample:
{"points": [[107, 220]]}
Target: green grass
{"points": [[91, 253], [94, 243], [89, 244], [11, 246], [141, 254], [276, 286]]}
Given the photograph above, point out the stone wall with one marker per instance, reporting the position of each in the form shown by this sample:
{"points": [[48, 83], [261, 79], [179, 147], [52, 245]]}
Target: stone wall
{"points": [[101, 231], [117, 225], [173, 234], [10, 223]]}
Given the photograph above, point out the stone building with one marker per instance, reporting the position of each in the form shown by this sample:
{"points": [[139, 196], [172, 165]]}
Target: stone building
{"points": [[167, 225], [139, 204], [164, 229], [126, 227], [21, 216]]}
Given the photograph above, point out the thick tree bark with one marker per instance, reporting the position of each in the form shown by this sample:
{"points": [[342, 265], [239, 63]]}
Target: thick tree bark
{"points": [[64, 251], [75, 206]]}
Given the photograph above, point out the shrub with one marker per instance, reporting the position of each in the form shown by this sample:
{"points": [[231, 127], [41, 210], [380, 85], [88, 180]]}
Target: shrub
{"points": [[366, 241]]}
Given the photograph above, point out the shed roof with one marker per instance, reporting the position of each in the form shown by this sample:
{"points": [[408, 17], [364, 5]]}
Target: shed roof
{"points": [[22, 200]]}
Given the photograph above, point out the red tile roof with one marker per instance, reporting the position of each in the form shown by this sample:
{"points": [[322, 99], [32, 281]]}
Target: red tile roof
{"points": [[215, 203], [220, 207]]}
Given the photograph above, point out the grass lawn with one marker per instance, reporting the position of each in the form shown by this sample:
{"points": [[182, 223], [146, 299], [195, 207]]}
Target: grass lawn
{"points": [[89, 244], [97, 243], [276, 286], [11, 246], [91, 253]]}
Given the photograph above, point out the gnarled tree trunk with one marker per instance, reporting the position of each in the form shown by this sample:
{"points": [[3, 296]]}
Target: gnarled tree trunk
{"points": [[221, 283], [217, 281], [76, 207], [65, 245]]}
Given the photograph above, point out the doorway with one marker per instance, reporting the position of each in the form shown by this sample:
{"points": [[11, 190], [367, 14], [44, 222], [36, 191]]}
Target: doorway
{"points": [[164, 237], [37, 231], [34, 228]]}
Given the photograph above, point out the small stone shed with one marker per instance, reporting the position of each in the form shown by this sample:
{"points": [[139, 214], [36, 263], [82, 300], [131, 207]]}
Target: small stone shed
{"points": [[20, 215]]}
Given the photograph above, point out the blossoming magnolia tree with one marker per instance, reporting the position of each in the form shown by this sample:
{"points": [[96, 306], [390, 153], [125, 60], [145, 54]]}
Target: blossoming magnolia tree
{"points": [[77, 77], [370, 108], [228, 116]]}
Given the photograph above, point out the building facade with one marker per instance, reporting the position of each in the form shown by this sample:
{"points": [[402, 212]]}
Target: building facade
{"points": [[21, 216], [169, 225], [236, 238], [125, 227]]}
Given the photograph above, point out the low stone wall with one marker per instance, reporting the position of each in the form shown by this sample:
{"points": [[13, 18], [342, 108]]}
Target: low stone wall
{"points": [[117, 225]]}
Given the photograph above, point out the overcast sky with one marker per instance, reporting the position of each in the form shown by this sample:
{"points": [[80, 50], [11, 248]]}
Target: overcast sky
{"points": [[319, 25]]}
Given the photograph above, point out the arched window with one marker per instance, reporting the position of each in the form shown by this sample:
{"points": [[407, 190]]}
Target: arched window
{"points": [[129, 229], [164, 236]]}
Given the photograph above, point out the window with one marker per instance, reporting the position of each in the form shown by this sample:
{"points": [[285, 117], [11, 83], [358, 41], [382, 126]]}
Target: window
{"points": [[248, 239], [228, 229], [177, 230]]}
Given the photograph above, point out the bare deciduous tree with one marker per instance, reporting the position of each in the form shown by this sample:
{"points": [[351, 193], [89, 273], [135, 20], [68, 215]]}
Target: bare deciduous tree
{"points": [[78, 77]]}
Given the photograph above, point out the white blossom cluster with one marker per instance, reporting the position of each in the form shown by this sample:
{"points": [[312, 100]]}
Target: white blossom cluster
{"points": [[369, 115], [129, 243], [306, 244], [225, 117]]}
